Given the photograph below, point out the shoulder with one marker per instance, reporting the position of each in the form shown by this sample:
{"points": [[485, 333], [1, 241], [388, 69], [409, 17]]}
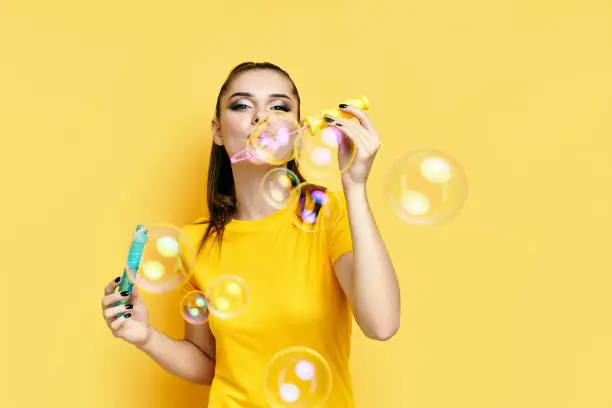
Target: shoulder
{"points": [[194, 231], [203, 220]]}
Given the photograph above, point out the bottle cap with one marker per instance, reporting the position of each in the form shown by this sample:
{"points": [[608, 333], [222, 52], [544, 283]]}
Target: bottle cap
{"points": [[361, 103], [315, 123]]}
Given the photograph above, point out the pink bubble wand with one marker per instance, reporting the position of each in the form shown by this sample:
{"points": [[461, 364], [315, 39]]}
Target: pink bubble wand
{"points": [[266, 143]]}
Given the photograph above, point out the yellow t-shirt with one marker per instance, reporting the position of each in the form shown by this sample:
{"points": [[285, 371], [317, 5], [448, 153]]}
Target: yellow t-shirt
{"points": [[294, 300]]}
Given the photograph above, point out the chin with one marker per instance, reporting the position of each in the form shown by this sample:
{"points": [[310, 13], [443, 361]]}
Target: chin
{"points": [[260, 163]]}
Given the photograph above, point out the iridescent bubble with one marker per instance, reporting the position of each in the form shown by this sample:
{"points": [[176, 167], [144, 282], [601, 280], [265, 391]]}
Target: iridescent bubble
{"points": [[297, 377], [166, 261], [427, 187], [194, 307], [272, 139], [278, 185], [318, 156], [228, 296], [315, 208]]}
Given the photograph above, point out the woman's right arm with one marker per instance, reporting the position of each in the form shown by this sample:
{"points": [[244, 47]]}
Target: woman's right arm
{"points": [[184, 358], [191, 359]]}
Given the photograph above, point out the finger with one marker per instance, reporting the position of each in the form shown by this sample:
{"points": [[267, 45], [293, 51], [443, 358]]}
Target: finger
{"points": [[120, 321], [354, 131], [110, 288], [108, 300], [362, 137], [135, 298], [361, 116], [111, 312], [346, 122]]}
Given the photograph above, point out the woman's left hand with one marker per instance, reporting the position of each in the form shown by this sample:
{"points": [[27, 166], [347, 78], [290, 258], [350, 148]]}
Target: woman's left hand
{"points": [[363, 138]]}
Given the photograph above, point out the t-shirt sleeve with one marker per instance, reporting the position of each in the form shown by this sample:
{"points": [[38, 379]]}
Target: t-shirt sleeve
{"points": [[339, 239]]}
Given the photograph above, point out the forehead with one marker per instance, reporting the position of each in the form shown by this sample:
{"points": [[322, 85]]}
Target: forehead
{"points": [[261, 83]]}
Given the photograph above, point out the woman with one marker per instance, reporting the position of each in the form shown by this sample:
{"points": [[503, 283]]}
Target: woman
{"points": [[304, 287]]}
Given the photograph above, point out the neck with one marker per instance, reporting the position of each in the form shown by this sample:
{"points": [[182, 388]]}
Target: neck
{"points": [[250, 201]]}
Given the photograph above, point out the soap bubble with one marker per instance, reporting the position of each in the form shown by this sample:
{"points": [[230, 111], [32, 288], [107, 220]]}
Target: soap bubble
{"points": [[317, 156], [278, 185], [427, 187], [272, 139], [315, 208], [297, 377], [167, 258], [227, 296], [194, 307]]}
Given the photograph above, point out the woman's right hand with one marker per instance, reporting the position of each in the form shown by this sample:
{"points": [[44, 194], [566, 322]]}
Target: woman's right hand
{"points": [[133, 326]]}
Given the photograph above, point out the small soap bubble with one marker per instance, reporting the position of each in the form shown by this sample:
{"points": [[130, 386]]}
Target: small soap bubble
{"points": [[297, 377], [427, 187], [278, 185], [194, 307], [166, 261], [315, 208], [227, 296]]}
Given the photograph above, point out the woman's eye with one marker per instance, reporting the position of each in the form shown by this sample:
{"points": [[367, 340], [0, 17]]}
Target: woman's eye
{"points": [[238, 106], [281, 107]]}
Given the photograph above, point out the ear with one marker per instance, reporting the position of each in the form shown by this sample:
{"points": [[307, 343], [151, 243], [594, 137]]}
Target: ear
{"points": [[216, 132]]}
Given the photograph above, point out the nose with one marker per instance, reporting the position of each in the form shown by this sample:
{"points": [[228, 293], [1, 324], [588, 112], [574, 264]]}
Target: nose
{"points": [[257, 117]]}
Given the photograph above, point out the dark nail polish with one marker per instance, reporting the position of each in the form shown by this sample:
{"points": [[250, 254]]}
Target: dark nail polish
{"points": [[127, 315], [124, 293], [339, 124], [328, 120], [128, 306], [117, 279], [343, 105]]}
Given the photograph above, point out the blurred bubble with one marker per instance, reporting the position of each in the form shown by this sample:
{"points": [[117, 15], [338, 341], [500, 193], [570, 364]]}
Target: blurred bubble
{"points": [[317, 156], [227, 296], [427, 187], [167, 258], [272, 139], [297, 377], [194, 307], [278, 185], [315, 208]]}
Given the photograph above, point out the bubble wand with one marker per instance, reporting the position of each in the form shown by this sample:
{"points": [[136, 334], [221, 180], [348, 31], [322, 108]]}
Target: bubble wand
{"points": [[139, 239], [312, 124]]}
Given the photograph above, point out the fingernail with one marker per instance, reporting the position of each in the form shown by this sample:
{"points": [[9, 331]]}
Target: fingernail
{"points": [[117, 279], [343, 105], [338, 124], [128, 306], [127, 315], [328, 119], [124, 293]]}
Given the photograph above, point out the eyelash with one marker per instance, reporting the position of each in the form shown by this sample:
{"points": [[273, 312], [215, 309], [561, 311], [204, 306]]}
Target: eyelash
{"points": [[238, 106]]}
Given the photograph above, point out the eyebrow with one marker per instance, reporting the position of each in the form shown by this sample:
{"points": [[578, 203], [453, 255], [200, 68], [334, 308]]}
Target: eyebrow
{"points": [[250, 95]]}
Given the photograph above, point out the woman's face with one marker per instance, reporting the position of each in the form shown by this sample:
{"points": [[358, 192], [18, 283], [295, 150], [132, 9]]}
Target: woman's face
{"points": [[251, 96]]}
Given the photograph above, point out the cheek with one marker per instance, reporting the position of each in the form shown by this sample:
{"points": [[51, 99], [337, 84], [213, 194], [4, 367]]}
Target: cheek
{"points": [[234, 132]]}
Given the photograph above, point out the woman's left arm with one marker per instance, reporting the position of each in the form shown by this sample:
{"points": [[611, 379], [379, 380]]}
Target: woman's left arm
{"points": [[366, 274]]}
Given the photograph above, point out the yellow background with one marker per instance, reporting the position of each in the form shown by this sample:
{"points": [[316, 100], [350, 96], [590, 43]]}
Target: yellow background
{"points": [[104, 119]]}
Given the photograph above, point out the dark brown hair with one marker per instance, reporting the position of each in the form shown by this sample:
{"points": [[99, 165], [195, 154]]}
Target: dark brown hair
{"points": [[221, 195]]}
